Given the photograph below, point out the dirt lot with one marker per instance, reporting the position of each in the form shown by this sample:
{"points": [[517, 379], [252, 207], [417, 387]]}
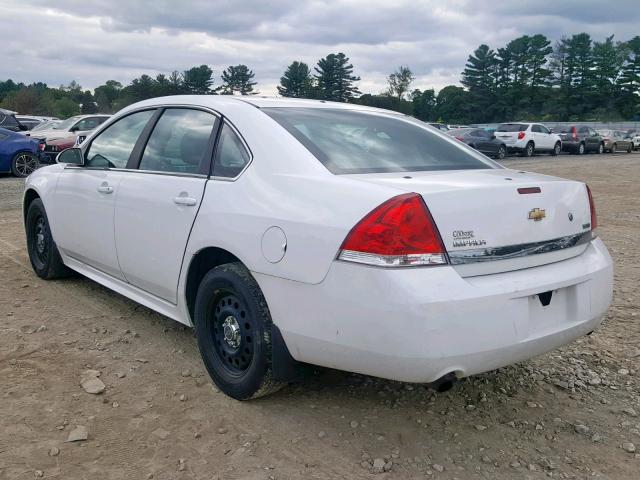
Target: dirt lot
{"points": [[569, 414]]}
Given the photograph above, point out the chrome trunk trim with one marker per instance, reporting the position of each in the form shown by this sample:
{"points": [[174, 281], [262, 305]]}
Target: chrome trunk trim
{"points": [[491, 254]]}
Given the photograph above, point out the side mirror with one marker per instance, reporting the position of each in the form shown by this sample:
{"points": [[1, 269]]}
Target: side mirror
{"points": [[23, 128], [493, 137], [72, 156], [551, 130], [75, 128]]}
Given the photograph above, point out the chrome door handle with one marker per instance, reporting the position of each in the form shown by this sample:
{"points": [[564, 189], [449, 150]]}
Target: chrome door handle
{"points": [[105, 189], [185, 201]]}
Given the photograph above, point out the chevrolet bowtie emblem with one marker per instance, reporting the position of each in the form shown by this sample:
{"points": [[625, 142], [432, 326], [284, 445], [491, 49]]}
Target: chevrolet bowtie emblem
{"points": [[536, 214]]}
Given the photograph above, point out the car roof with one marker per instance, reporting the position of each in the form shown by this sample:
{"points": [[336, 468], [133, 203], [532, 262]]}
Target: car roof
{"points": [[222, 101]]}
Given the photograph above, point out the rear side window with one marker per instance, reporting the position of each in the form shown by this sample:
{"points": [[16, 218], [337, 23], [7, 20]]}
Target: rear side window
{"points": [[231, 155], [179, 141], [113, 146], [347, 141], [511, 127]]}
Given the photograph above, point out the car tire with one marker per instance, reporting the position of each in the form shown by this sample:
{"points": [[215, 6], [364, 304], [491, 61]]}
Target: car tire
{"points": [[23, 164], [557, 148], [529, 150], [581, 149], [502, 152], [43, 251], [629, 149], [614, 148], [601, 149], [233, 329]]}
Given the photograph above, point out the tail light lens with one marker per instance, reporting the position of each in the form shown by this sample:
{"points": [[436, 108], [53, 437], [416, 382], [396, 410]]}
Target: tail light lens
{"points": [[41, 146], [592, 207], [574, 132], [521, 135], [399, 233]]}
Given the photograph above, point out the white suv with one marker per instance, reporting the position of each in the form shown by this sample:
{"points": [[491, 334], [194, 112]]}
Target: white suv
{"points": [[528, 138]]}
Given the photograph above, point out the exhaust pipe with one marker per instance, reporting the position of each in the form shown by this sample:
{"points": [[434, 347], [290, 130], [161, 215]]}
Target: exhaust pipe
{"points": [[445, 382]]}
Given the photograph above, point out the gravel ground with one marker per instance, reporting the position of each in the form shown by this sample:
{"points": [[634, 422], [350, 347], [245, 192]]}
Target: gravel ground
{"points": [[572, 413]]}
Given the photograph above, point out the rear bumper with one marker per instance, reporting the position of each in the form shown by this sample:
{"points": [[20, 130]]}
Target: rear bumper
{"points": [[417, 324]]}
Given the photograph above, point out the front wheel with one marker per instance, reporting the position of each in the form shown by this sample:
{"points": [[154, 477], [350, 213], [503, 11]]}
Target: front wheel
{"points": [[43, 251], [24, 164], [614, 148], [581, 149], [629, 148], [233, 328], [601, 149], [502, 152], [556, 149]]}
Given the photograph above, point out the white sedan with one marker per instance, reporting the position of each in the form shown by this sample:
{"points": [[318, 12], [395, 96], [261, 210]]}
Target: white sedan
{"points": [[291, 231]]}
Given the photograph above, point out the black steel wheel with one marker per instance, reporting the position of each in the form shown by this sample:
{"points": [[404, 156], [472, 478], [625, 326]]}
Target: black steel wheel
{"points": [[233, 328], [24, 164], [43, 251]]}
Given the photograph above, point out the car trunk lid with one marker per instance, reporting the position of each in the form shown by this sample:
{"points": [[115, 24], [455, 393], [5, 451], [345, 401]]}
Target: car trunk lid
{"points": [[498, 220]]}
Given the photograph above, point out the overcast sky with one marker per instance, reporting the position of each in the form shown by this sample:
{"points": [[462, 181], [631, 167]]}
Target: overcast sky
{"points": [[56, 41]]}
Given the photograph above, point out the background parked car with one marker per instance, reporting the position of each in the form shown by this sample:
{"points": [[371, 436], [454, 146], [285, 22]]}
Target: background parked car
{"points": [[528, 138], [440, 126], [635, 140], [481, 140], [615, 141], [29, 122], [18, 154], [52, 148], [71, 127], [579, 139], [8, 121]]}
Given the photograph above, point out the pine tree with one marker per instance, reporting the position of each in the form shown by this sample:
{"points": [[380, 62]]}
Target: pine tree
{"points": [[479, 78], [608, 59], [197, 80], [335, 78], [296, 81], [629, 82], [238, 79]]}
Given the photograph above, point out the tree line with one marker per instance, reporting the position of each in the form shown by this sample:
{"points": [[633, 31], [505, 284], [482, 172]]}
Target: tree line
{"points": [[575, 79]]}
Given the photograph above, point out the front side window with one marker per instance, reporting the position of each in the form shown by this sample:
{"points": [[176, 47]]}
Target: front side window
{"points": [[113, 146], [231, 155], [179, 141], [89, 123], [544, 129], [347, 141]]}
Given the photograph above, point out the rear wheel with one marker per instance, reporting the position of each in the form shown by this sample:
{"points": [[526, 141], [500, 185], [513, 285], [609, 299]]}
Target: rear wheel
{"points": [[233, 328], [581, 149], [502, 152], [43, 252], [556, 149], [629, 148], [529, 150], [614, 148], [24, 164]]}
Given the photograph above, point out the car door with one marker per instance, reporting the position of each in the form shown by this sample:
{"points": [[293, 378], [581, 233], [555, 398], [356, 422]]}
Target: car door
{"points": [[548, 139], [159, 197], [83, 211]]}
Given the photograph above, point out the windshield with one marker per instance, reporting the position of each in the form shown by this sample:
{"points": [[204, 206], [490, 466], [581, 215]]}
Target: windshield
{"points": [[348, 141], [511, 127], [66, 124]]}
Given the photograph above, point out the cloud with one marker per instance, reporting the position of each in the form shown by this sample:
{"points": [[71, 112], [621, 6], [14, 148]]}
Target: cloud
{"points": [[93, 41]]}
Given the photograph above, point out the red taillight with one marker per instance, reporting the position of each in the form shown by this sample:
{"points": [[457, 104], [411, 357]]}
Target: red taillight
{"points": [[41, 146], [398, 233], [574, 133], [592, 207], [521, 135], [460, 138]]}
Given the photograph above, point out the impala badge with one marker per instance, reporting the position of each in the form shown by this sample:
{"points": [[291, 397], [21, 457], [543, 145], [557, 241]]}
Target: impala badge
{"points": [[536, 214]]}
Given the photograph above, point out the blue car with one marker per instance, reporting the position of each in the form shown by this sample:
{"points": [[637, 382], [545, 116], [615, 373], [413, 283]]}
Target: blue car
{"points": [[18, 154]]}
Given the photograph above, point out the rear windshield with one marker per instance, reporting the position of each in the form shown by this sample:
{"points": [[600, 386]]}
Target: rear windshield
{"points": [[511, 127], [348, 141]]}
